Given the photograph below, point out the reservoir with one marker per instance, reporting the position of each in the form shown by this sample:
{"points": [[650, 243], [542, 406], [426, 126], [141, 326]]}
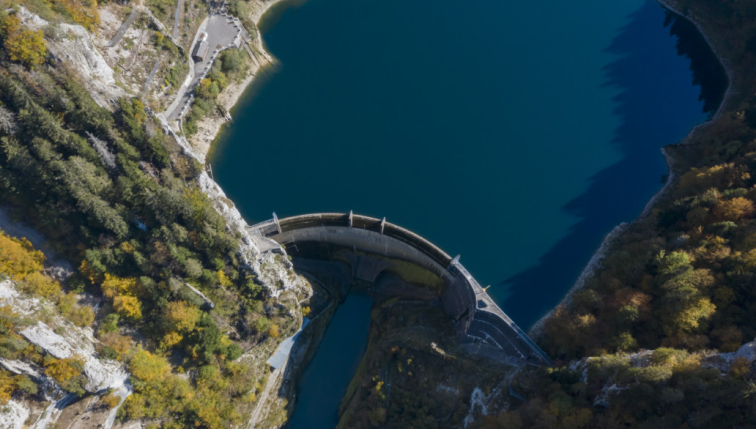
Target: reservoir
{"points": [[516, 134]]}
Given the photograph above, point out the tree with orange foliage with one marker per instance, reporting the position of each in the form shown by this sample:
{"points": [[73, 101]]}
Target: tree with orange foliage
{"points": [[734, 209], [118, 343], [22, 45], [110, 400], [274, 332]]}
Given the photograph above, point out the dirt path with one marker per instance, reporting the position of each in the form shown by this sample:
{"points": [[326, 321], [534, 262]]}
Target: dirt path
{"points": [[121, 31], [176, 20], [272, 381]]}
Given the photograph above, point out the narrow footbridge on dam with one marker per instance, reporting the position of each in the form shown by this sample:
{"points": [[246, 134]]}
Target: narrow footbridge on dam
{"points": [[481, 325]]}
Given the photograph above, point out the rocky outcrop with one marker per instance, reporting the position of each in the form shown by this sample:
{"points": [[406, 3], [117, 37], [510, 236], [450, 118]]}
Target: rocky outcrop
{"points": [[75, 47], [14, 415], [70, 342], [101, 374], [275, 274]]}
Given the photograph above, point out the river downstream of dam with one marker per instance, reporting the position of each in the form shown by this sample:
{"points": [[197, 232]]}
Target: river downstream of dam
{"points": [[516, 134]]}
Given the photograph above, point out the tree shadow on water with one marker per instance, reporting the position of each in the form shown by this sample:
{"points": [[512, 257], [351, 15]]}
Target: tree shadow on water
{"points": [[656, 105]]}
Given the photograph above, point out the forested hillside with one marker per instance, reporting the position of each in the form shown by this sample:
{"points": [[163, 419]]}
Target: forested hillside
{"points": [[663, 320], [118, 198]]}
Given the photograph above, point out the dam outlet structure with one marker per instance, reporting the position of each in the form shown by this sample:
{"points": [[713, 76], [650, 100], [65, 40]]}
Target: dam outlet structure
{"points": [[349, 248]]}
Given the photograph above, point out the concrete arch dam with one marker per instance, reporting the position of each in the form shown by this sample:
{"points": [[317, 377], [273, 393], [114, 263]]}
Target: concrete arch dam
{"points": [[480, 324]]}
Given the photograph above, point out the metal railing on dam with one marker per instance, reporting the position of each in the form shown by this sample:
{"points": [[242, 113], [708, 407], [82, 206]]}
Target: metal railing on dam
{"points": [[478, 319]]}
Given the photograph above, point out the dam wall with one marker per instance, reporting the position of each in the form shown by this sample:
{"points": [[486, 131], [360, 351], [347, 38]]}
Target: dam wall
{"points": [[477, 318]]}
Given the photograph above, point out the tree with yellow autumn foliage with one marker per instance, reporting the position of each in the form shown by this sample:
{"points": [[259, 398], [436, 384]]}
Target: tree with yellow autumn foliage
{"points": [[148, 367], [128, 306], [181, 316], [113, 286], [170, 339], [23, 45], [274, 331], [63, 370], [67, 372], [84, 12], [110, 400], [124, 292], [223, 279], [18, 258], [39, 284], [7, 386], [10, 383]]}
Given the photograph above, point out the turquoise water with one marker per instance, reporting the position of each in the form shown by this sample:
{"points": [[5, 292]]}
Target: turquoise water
{"points": [[516, 134]]}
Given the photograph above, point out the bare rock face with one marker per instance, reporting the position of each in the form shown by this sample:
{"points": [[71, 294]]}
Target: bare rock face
{"points": [[101, 374], [723, 361], [748, 351], [79, 51], [73, 342], [14, 415], [273, 273]]}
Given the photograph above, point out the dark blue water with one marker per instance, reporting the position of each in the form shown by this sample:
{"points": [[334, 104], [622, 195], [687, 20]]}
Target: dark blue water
{"points": [[326, 378], [516, 134]]}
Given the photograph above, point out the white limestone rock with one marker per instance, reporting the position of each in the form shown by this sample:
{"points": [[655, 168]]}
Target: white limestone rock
{"points": [[101, 374], [13, 415], [80, 52]]}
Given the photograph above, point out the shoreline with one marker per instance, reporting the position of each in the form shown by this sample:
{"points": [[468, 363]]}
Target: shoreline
{"points": [[611, 238], [210, 128]]}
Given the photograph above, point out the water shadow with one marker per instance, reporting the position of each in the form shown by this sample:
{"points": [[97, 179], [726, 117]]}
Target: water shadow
{"points": [[656, 106]]}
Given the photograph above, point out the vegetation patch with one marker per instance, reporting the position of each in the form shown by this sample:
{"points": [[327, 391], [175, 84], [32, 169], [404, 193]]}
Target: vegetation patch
{"points": [[403, 382]]}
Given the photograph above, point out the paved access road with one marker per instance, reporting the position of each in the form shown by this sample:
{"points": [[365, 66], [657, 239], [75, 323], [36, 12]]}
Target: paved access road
{"points": [[222, 32]]}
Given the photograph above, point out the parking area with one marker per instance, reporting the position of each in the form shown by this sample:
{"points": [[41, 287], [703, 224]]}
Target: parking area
{"points": [[223, 32]]}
